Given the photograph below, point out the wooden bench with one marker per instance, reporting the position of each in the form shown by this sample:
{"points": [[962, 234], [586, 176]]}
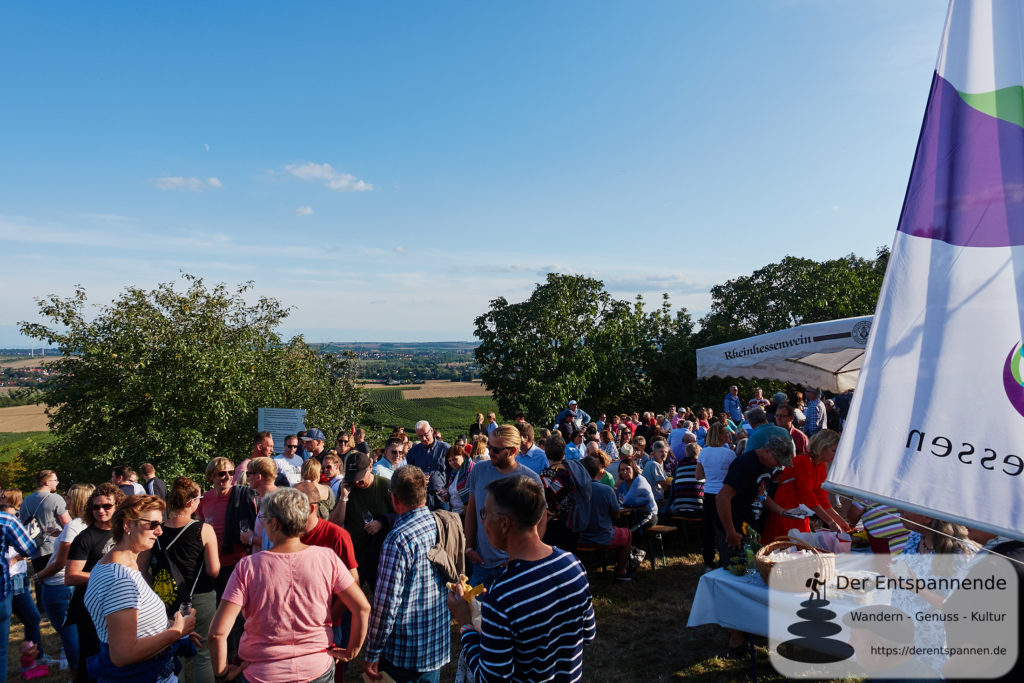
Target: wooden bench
{"points": [[655, 534], [589, 553]]}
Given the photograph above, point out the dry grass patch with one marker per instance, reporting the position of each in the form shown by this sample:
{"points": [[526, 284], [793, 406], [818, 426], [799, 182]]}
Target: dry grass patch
{"points": [[30, 418]]}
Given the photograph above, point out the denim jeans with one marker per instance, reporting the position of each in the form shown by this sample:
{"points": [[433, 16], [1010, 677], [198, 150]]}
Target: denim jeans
{"points": [[5, 632], [24, 607], [485, 575], [407, 675], [55, 602]]}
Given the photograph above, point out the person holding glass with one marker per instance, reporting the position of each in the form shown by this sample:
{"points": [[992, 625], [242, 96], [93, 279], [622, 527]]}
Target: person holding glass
{"points": [[281, 643]]}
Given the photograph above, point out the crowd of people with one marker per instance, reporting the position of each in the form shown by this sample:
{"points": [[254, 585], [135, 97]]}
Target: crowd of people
{"points": [[287, 566]]}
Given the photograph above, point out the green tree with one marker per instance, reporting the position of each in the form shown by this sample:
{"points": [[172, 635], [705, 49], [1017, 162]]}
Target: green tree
{"points": [[571, 339], [176, 378], [792, 292]]}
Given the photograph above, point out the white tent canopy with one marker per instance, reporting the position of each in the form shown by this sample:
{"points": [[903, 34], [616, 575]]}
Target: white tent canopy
{"points": [[826, 355]]}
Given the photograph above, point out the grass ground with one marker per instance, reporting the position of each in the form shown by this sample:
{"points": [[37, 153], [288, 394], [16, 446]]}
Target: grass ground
{"points": [[641, 632]]}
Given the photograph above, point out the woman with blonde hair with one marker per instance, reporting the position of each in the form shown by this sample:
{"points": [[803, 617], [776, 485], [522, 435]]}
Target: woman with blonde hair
{"points": [[479, 451], [57, 596], [801, 484], [231, 511], [311, 473], [130, 619]]}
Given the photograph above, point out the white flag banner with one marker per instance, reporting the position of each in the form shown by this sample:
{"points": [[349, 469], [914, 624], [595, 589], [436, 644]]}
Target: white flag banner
{"points": [[937, 420]]}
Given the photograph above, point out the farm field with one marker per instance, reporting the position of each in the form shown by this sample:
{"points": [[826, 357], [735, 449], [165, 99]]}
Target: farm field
{"points": [[435, 388], [31, 418], [26, 362], [452, 415]]}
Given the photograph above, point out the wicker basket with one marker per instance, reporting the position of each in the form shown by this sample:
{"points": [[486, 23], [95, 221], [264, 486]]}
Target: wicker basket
{"points": [[792, 575]]}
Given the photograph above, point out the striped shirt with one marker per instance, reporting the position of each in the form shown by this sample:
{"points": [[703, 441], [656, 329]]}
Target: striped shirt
{"points": [[535, 620], [409, 625], [883, 521], [114, 587], [687, 490], [12, 535]]}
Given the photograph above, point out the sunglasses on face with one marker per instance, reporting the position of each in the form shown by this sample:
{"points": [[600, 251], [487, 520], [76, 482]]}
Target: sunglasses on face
{"points": [[226, 473], [103, 506], [291, 445], [150, 524]]}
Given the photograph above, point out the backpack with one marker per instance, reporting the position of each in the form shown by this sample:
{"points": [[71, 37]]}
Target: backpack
{"points": [[34, 527], [168, 581]]}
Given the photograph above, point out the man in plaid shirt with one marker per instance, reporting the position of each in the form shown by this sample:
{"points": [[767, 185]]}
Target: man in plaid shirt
{"points": [[409, 636], [13, 535], [814, 412]]}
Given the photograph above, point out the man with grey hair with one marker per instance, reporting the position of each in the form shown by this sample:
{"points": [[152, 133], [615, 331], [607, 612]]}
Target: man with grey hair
{"points": [[731, 403], [431, 456], [752, 419]]}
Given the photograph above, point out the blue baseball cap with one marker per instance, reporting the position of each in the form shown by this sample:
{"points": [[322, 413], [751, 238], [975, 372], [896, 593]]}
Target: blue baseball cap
{"points": [[313, 435]]}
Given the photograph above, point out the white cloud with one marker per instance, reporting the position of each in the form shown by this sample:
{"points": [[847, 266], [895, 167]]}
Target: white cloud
{"points": [[304, 211], [400, 250], [333, 179], [191, 184], [206, 146]]}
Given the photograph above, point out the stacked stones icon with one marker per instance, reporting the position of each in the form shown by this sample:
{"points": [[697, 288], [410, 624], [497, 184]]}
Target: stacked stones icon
{"points": [[814, 643]]}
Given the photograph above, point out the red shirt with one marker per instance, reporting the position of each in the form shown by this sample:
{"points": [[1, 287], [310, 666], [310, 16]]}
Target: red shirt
{"points": [[213, 509], [799, 440], [329, 535]]}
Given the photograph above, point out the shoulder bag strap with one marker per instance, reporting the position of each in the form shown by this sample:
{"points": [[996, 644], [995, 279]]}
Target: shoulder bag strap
{"points": [[180, 534], [39, 505]]}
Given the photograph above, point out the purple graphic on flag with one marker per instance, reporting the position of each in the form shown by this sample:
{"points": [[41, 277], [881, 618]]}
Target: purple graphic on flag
{"points": [[967, 184]]}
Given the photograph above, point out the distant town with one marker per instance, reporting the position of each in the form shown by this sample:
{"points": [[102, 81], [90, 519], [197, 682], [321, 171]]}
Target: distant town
{"points": [[389, 363]]}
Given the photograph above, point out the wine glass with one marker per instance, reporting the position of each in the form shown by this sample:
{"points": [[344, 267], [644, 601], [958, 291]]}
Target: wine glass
{"points": [[367, 516]]}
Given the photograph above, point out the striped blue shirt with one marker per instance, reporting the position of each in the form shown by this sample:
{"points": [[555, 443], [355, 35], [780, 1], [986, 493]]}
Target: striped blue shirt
{"points": [[409, 625], [535, 620], [12, 535]]}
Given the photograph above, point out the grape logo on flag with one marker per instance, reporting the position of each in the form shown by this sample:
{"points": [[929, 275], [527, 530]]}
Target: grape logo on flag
{"points": [[1013, 377]]}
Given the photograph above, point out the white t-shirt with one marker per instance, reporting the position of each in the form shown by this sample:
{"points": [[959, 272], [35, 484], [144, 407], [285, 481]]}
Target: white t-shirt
{"points": [[715, 460], [67, 535], [291, 468], [19, 567], [114, 587]]}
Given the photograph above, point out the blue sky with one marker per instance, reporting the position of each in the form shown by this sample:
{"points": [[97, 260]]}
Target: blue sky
{"points": [[388, 168]]}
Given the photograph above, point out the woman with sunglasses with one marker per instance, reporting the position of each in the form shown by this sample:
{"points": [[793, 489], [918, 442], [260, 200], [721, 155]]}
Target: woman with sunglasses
{"points": [[130, 619], [231, 511], [191, 548], [91, 544]]}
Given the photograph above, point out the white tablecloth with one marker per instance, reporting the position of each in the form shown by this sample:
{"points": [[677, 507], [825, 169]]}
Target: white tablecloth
{"points": [[744, 603]]}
